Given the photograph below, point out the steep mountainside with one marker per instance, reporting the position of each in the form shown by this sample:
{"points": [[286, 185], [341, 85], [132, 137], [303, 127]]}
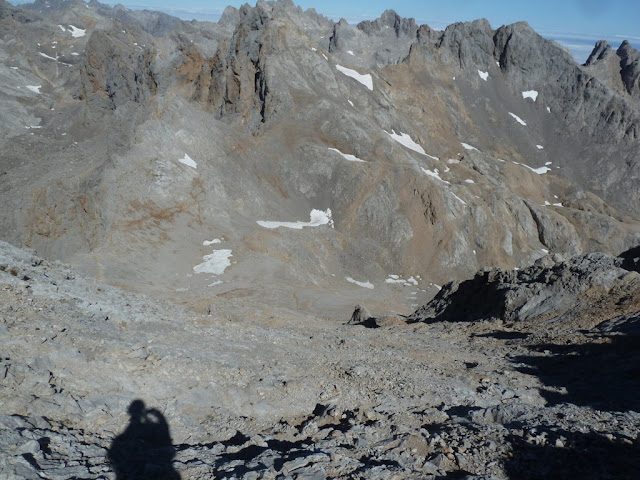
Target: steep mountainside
{"points": [[130, 138]]}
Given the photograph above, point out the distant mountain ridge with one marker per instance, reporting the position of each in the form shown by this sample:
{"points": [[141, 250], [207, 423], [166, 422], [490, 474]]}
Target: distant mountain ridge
{"points": [[435, 152]]}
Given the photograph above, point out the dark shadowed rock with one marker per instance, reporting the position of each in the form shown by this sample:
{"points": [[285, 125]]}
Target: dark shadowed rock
{"points": [[544, 291], [115, 72]]}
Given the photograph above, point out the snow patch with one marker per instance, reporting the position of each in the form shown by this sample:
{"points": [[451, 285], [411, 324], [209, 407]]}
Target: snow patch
{"points": [[188, 161], [548, 110], [539, 147], [468, 180], [532, 94], [458, 198], [325, 57], [206, 243], [350, 103], [317, 218], [62, 28], [314, 49], [351, 158], [360, 284], [483, 75], [35, 88], [215, 263], [434, 174], [410, 282], [518, 119], [365, 80], [47, 56], [539, 170], [350, 52], [406, 140], [77, 32], [468, 147], [217, 282]]}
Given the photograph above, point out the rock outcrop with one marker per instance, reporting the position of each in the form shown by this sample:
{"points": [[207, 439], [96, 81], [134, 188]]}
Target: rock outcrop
{"points": [[552, 290]]}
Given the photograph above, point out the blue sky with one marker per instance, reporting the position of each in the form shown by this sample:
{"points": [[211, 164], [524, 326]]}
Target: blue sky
{"points": [[577, 24]]}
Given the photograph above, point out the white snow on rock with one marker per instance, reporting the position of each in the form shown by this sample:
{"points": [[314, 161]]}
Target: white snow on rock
{"points": [[548, 110], [483, 75], [360, 284], [314, 49], [539, 147], [325, 57], [62, 28], [406, 140], [468, 180], [458, 198], [399, 280], [468, 147], [365, 80], [434, 174], [351, 158], [539, 170], [77, 32], [318, 218], [215, 263], [206, 243], [47, 56], [394, 280], [13, 68], [217, 282], [518, 119], [350, 52], [35, 88], [532, 94], [350, 102], [188, 161]]}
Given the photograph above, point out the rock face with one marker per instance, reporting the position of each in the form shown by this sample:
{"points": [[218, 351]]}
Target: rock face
{"points": [[551, 290], [130, 138], [114, 72]]}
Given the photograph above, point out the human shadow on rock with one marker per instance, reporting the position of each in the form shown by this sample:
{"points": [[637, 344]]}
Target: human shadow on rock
{"points": [[143, 451], [601, 373], [563, 455]]}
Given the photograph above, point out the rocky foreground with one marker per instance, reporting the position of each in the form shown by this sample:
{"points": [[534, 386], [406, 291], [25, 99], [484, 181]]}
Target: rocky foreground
{"points": [[99, 383]]}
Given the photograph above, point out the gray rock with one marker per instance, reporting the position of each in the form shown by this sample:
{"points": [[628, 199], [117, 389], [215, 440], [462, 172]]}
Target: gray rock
{"points": [[542, 291]]}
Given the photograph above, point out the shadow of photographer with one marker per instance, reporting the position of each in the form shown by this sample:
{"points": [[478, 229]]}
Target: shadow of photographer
{"points": [[143, 451]]}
